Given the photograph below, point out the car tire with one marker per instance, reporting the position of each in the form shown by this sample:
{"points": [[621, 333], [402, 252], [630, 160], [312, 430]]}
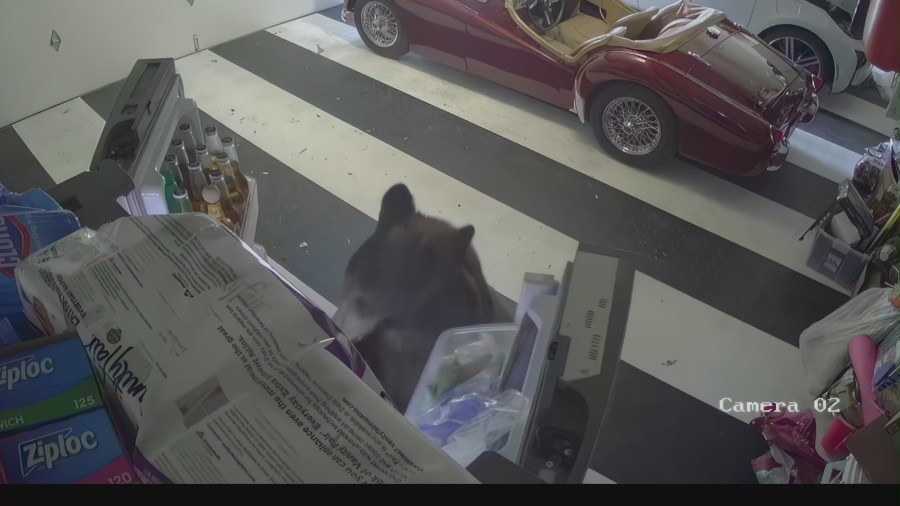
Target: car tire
{"points": [[618, 135], [796, 44], [373, 18]]}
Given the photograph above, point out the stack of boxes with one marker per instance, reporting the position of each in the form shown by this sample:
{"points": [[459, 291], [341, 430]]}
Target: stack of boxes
{"points": [[54, 427]]}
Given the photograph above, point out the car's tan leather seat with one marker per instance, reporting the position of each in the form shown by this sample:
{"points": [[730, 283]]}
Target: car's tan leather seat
{"points": [[579, 28], [635, 23]]}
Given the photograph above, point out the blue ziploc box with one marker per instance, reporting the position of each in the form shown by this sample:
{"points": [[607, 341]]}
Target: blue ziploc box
{"points": [[81, 449], [20, 236], [44, 383], [8, 336]]}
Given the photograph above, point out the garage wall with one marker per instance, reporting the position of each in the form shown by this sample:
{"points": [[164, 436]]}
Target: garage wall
{"points": [[101, 39]]}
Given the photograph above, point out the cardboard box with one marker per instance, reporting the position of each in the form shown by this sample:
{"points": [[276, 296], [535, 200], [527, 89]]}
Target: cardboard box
{"points": [[875, 452]]}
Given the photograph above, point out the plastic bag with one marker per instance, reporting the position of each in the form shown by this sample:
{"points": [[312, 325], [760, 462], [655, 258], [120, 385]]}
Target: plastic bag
{"points": [[792, 456], [823, 346], [467, 425]]}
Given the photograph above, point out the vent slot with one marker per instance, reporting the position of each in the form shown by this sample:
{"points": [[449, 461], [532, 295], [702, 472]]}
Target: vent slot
{"points": [[589, 319]]}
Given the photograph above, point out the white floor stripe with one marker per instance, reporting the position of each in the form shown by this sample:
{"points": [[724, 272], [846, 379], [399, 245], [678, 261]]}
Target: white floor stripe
{"points": [[708, 354], [315, 144], [693, 195], [859, 111], [63, 138], [594, 478], [827, 159], [358, 168]]}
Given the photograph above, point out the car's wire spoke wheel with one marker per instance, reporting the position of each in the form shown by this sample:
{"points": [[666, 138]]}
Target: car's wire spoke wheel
{"points": [[379, 24], [800, 53], [632, 126]]}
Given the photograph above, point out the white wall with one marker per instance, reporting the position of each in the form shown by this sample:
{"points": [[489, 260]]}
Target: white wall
{"points": [[101, 39]]}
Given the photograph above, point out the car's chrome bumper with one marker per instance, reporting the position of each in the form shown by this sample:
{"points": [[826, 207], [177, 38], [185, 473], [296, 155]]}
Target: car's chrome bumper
{"points": [[346, 16], [779, 156], [810, 109]]}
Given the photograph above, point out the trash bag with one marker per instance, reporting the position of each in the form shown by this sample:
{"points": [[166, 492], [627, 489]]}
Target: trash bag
{"points": [[792, 456], [823, 345]]}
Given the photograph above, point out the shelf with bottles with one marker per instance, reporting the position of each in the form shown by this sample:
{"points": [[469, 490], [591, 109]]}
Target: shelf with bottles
{"points": [[201, 173]]}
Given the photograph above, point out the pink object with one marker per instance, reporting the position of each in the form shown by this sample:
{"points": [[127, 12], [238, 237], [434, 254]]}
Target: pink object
{"points": [[792, 435], [863, 354], [833, 440]]}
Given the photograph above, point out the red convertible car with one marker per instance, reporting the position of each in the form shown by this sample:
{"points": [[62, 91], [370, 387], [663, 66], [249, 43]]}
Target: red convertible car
{"points": [[652, 83]]}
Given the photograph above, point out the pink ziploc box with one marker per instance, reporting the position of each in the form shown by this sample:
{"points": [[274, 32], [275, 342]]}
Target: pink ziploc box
{"points": [[80, 449]]}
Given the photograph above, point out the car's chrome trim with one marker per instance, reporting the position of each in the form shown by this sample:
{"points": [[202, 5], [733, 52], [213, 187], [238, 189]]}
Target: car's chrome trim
{"points": [[810, 109], [344, 14], [779, 156]]}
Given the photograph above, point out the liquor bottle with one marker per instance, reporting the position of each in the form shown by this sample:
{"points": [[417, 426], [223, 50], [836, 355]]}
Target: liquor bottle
{"points": [[230, 150], [217, 178], [211, 137], [169, 189], [198, 182], [170, 163], [186, 134], [211, 196], [177, 148], [183, 201], [237, 197], [201, 154]]}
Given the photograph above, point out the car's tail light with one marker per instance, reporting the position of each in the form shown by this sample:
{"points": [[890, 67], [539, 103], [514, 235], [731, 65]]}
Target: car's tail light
{"points": [[817, 82], [777, 136]]}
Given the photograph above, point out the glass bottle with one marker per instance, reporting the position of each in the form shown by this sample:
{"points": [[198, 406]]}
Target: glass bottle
{"points": [[211, 196], [211, 139], [198, 182], [176, 147], [217, 178], [169, 190], [234, 194], [186, 134], [183, 201], [170, 163], [241, 180], [201, 154]]}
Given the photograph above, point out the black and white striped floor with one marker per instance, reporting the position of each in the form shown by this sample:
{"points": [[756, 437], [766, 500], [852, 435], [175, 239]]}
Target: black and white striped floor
{"points": [[326, 126]]}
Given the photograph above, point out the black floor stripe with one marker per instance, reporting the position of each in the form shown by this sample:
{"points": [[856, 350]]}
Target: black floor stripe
{"points": [[842, 132], [791, 186], [306, 229], [717, 272], [19, 169], [654, 433]]}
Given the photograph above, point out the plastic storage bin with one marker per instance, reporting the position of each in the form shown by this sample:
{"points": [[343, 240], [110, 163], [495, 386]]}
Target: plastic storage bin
{"points": [[836, 260], [138, 130]]}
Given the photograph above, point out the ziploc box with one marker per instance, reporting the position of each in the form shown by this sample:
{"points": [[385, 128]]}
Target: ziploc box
{"points": [[81, 449], [21, 235], [45, 383]]}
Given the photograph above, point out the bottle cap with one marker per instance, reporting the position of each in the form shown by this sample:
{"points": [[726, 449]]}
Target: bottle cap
{"points": [[210, 130], [211, 194], [177, 143]]}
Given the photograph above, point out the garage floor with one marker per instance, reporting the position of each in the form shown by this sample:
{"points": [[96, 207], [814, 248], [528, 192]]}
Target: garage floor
{"points": [[326, 126]]}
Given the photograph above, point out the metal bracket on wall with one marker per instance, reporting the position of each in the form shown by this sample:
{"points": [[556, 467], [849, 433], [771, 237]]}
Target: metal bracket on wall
{"points": [[55, 41], [190, 2], [196, 44]]}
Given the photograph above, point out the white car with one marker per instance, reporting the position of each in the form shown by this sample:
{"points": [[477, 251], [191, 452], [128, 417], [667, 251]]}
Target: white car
{"points": [[822, 36]]}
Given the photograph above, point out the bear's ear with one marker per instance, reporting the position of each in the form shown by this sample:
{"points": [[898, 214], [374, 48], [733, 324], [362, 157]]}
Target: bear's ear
{"points": [[462, 240], [397, 208]]}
